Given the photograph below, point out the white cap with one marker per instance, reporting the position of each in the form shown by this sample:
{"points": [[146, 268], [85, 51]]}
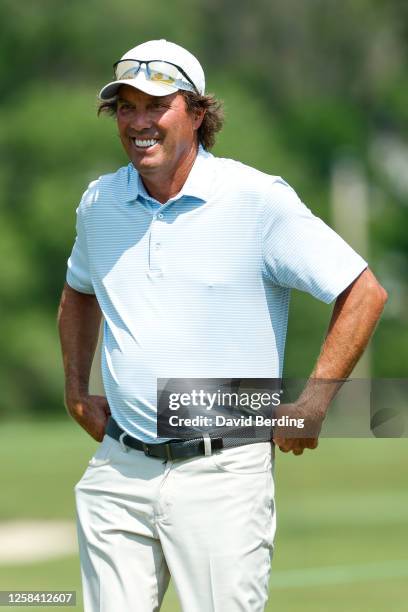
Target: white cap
{"points": [[160, 50]]}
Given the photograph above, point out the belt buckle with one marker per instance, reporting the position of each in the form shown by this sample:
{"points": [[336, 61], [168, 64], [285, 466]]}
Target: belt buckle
{"points": [[147, 451], [168, 451]]}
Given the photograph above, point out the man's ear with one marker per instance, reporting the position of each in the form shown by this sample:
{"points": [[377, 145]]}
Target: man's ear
{"points": [[198, 117]]}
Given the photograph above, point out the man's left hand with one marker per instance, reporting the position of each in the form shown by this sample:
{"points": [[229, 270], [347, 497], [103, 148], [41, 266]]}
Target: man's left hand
{"points": [[295, 439], [295, 445]]}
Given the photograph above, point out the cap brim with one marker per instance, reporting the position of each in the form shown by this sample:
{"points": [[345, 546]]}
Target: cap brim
{"points": [[140, 82]]}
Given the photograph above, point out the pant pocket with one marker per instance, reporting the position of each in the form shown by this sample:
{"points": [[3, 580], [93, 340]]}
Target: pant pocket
{"points": [[247, 459], [103, 453]]}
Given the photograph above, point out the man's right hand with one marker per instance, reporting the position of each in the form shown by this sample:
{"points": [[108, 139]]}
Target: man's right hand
{"points": [[91, 412]]}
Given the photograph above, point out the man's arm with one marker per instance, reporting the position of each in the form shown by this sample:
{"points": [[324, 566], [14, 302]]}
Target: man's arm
{"points": [[355, 314], [79, 318]]}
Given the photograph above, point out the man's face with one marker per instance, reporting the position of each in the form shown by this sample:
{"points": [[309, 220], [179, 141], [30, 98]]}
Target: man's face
{"points": [[156, 132]]}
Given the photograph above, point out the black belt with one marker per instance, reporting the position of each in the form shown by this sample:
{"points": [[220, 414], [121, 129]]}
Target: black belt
{"points": [[167, 450]]}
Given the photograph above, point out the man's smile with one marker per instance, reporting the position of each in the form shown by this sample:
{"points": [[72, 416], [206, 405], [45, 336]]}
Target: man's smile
{"points": [[144, 143]]}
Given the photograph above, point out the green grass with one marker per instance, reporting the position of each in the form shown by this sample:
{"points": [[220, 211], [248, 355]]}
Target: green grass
{"points": [[342, 506]]}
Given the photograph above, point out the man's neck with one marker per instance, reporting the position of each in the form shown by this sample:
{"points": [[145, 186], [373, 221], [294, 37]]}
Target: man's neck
{"points": [[169, 186]]}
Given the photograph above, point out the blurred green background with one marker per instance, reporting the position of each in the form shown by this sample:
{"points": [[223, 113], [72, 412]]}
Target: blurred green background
{"points": [[315, 91]]}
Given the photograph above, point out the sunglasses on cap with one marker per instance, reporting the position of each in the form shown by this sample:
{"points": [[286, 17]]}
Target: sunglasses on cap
{"points": [[157, 71]]}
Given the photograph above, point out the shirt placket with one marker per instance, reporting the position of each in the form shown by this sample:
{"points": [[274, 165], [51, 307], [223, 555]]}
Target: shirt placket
{"points": [[156, 244]]}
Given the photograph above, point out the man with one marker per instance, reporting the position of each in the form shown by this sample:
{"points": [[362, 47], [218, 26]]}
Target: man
{"points": [[190, 259]]}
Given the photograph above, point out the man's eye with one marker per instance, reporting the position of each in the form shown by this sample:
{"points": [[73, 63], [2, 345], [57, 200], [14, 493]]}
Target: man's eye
{"points": [[159, 106], [124, 106]]}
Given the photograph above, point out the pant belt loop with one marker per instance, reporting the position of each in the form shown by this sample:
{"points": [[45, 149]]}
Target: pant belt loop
{"points": [[122, 444], [207, 445]]}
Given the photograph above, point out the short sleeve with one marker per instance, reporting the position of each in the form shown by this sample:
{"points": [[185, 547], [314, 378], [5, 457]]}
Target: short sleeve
{"points": [[78, 272], [300, 251]]}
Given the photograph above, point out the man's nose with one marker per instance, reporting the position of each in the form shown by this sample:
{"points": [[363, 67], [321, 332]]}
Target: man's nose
{"points": [[141, 120]]}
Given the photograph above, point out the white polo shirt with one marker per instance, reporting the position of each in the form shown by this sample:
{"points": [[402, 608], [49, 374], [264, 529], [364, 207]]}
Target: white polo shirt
{"points": [[199, 286]]}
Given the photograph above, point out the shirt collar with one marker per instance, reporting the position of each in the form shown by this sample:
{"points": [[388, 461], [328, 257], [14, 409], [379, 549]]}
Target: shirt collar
{"points": [[198, 183]]}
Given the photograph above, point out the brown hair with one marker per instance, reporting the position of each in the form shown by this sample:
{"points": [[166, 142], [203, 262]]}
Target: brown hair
{"points": [[213, 120]]}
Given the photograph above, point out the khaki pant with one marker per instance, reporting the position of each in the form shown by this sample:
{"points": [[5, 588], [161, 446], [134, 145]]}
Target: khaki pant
{"points": [[207, 521]]}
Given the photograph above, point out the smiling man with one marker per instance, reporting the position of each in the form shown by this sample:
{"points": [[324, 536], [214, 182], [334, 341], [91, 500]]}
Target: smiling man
{"points": [[159, 136], [190, 260]]}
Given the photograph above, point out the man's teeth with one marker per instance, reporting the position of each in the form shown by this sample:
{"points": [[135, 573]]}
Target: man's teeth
{"points": [[144, 143]]}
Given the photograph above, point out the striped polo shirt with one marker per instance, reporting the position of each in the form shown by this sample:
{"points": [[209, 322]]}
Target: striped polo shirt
{"points": [[199, 286]]}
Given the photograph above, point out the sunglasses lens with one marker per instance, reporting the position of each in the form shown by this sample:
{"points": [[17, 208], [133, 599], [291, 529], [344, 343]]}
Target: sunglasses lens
{"points": [[161, 72], [157, 71], [127, 69]]}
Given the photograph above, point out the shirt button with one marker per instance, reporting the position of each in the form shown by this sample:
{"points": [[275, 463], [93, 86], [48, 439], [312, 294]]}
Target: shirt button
{"points": [[157, 273], [160, 215]]}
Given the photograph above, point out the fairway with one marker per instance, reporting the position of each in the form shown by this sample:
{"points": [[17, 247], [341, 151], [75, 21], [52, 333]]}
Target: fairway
{"points": [[342, 521]]}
